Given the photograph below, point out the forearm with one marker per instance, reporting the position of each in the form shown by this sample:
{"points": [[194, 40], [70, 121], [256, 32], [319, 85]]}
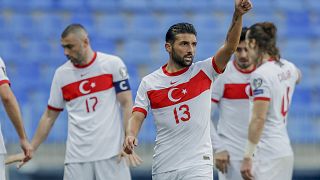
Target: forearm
{"points": [[234, 32], [13, 111], [126, 113], [255, 130], [134, 125], [44, 127]]}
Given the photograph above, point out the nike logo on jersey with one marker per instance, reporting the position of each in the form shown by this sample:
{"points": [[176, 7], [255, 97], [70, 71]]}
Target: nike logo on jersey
{"points": [[173, 82], [84, 74]]}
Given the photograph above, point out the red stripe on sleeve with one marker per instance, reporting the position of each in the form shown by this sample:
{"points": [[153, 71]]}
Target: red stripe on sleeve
{"points": [[214, 100], [215, 66], [4, 82], [54, 108], [261, 99], [138, 109]]}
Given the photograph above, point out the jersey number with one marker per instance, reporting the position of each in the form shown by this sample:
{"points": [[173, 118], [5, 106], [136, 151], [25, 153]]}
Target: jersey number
{"points": [[285, 104], [185, 111], [91, 104]]}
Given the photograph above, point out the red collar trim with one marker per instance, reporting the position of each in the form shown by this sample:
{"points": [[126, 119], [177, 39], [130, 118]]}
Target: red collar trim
{"points": [[175, 73], [242, 71], [86, 65]]}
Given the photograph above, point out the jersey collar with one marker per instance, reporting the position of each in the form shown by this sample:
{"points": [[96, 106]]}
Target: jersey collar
{"points": [[86, 65]]}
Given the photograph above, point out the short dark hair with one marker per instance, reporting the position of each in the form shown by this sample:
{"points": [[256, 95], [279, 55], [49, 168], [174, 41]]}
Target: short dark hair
{"points": [[243, 34], [265, 34], [179, 28], [72, 28]]}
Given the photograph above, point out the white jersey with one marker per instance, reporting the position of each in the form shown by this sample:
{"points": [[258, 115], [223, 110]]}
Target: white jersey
{"points": [[275, 82], [95, 127], [180, 103], [230, 92], [3, 80]]}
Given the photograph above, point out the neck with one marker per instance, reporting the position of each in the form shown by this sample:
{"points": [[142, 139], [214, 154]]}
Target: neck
{"points": [[263, 58], [173, 67], [88, 58]]}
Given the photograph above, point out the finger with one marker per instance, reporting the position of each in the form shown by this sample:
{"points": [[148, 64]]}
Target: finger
{"points": [[135, 142], [19, 165], [132, 161], [138, 158]]}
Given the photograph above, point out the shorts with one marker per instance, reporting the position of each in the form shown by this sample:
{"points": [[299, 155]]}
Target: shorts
{"points": [[200, 172], [233, 171], [274, 169], [98, 170]]}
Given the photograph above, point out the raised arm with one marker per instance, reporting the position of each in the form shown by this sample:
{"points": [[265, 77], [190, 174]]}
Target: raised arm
{"points": [[12, 108], [233, 36]]}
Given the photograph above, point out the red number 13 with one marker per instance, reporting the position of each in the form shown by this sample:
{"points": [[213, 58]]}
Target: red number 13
{"points": [[185, 111]]}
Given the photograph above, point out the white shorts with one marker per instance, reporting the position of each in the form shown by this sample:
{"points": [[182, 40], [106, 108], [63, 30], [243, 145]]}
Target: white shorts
{"points": [[233, 171], [2, 167], [98, 170], [274, 169], [200, 172]]}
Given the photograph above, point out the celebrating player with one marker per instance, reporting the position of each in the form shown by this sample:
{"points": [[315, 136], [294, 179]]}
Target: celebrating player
{"points": [[179, 95], [94, 88], [272, 84], [230, 94]]}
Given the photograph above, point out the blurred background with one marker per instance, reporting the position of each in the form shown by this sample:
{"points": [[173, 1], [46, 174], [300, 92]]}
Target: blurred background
{"points": [[135, 31]]}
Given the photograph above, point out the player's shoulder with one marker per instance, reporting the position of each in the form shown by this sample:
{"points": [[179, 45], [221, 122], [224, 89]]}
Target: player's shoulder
{"points": [[153, 77]]}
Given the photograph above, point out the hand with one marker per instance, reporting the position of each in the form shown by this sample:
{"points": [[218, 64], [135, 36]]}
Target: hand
{"points": [[243, 6], [14, 158], [132, 159], [129, 144], [222, 160], [246, 169], [27, 149]]}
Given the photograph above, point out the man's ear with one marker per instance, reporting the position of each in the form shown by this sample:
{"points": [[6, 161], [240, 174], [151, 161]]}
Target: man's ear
{"points": [[252, 43], [168, 47]]}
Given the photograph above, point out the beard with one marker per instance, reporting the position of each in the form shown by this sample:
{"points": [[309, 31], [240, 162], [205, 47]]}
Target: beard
{"points": [[181, 61], [77, 60]]}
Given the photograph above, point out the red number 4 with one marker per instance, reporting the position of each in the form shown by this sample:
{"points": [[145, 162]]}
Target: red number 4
{"points": [[284, 108], [185, 111]]}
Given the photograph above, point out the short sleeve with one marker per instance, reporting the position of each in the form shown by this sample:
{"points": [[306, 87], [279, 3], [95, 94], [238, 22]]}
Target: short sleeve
{"points": [[260, 87], [142, 102], [56, 101], [217, 89], [119, 71], [3, 73]]}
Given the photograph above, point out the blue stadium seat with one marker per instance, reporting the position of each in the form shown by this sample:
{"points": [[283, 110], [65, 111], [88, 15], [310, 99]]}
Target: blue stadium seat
{"points": [[71, 5], [206, 49], [111, 26], [137, 52], [46, 5], [167, 6], [137, 6], [85, 19], [103, 5], [208, 27], [169, 19], [298, 24], [144, 27], [295, 5], [48, 25], [313, 5], [103, 45], [17, 25]]}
